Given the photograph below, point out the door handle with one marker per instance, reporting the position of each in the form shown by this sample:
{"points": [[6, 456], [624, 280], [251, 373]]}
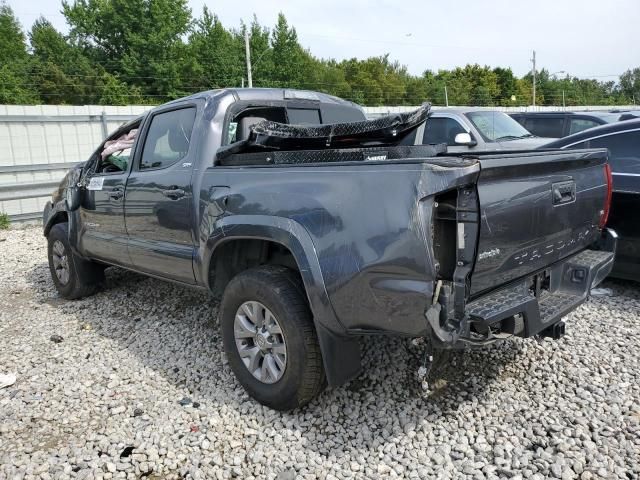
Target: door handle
{"points": [[564, 192], [116, 194], [174, 193]]}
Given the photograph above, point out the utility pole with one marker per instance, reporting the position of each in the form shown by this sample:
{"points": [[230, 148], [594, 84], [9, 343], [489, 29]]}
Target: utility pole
{"points": [[248, 55], [533, 59], [563, 104], [446, 96]]}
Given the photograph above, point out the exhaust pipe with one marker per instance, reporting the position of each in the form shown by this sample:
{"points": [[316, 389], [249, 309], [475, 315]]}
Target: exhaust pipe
{"points": [[555, 331]]}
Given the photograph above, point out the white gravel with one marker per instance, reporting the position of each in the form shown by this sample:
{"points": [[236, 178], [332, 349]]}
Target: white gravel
{"points": [[138, 387]]}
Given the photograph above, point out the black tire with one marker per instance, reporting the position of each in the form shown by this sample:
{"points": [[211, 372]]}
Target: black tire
{"points": [[84, 276], [281, 291]]}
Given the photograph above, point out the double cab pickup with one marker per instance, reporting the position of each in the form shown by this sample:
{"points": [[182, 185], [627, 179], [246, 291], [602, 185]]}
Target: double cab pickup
{"points": [[315, 226]]}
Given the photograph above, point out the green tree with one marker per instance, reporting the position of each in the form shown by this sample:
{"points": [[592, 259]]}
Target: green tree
{"points": [[217, 55], [327, 76], [630, 85], [507, 85], [16, 85], [12, 41], [137, 40], [291, 63], [65, 75]]}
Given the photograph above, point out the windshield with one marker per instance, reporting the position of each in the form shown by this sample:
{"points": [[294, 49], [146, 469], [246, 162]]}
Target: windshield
{"points": [[497, 126]]}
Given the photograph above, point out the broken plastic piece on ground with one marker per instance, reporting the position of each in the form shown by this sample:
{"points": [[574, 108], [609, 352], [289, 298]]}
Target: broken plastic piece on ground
{"points": [[6, 380], [602, 292]]}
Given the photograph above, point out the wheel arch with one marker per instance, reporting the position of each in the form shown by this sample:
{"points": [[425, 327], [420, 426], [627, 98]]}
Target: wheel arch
{"points": [[53, 216], [340, 353]]}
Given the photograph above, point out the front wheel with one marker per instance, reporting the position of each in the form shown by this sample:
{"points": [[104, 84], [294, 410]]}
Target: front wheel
{"points": [[270, 339], [73, 277]]}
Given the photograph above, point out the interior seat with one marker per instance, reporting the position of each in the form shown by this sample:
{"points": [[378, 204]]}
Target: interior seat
{"points": [[244, 126]]}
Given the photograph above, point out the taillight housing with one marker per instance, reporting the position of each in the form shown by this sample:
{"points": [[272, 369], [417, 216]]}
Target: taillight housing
{"points": [[604, 216]]}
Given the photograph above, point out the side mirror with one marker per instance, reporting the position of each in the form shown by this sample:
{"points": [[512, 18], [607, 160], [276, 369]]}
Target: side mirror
{"points": [[73, 192], [465, 139]]}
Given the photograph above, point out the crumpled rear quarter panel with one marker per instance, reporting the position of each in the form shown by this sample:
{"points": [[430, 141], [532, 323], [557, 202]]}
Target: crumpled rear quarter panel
{"points": [[370, 227]]}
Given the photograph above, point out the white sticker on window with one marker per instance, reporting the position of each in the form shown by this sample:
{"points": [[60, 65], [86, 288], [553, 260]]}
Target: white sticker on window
{"points": [[95, 183]]}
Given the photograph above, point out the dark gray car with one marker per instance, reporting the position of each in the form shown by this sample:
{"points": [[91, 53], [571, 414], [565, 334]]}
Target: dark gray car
{"points": [[561, 124], [622, 139]]}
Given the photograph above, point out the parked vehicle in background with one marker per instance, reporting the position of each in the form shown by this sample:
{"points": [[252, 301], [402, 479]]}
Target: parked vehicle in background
{"points": [[314, 235], [623, 141], [471, 130], [561, 124]]}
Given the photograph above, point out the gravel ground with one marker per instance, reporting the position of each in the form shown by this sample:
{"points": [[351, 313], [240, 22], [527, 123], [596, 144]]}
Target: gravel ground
{"points": [[137, 386]]}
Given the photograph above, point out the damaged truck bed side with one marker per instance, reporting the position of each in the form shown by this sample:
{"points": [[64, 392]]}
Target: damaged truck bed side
{"points": [[316, 226]]}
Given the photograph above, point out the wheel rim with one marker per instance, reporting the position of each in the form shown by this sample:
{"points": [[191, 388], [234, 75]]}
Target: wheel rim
{"points": [[260, 342], [60, 262]]}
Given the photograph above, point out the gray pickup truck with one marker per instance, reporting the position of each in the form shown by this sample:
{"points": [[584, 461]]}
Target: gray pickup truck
{"points": [[316, 227], [469, 130]]}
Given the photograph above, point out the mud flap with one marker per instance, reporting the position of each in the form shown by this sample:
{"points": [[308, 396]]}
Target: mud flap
{"points": [[340, 356]]}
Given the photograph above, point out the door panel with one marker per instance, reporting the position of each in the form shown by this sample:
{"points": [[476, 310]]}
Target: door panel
{"points": [[159, 198], [158, 218], [103, 235]]}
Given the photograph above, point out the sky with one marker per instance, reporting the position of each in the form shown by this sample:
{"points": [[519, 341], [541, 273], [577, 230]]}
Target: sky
{"points": [[584, 38]]}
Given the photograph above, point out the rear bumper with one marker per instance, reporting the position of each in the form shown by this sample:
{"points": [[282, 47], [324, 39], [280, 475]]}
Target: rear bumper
{"points": [[535, 304]]}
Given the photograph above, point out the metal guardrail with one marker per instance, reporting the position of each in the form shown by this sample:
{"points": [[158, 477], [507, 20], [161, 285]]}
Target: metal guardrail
{"points": [[103, 118], [36, 167], [26, 190]]}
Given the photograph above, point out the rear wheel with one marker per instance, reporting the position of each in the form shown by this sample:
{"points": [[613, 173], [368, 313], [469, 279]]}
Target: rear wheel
{"points": [[73, 276], [270, 338]]}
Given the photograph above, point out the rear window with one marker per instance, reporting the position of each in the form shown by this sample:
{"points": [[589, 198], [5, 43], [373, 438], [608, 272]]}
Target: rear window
{"points": [[341, 114], [579, 124], [303, 116], [552, 127]]}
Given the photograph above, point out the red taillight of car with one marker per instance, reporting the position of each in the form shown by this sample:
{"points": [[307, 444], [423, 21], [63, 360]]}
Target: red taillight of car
{"points": [[607, 202]]}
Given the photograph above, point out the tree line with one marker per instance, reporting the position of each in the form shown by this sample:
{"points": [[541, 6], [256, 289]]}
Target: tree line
{"points": [[120, 52]]}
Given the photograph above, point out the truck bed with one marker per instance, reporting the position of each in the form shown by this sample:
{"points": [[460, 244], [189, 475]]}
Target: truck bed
{"points": [[388, 223]]}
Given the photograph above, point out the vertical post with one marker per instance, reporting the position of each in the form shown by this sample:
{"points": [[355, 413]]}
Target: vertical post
{"points": [[563, 104], [446, 96], [533, 59], [248, 55], [103, 121], [242, 82]]}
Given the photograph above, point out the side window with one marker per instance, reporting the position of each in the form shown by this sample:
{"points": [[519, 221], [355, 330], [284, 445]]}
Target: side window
{"points": [[545, 126], [441, 130], [579, 124], [168, 138], [624, 151], [115, 154]]}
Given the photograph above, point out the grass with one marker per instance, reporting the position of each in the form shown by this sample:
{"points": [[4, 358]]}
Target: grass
{"points": [[4, 221]]}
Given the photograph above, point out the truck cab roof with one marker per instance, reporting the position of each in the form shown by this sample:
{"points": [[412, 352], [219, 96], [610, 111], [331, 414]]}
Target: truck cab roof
{"points": [[269, 95]]}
